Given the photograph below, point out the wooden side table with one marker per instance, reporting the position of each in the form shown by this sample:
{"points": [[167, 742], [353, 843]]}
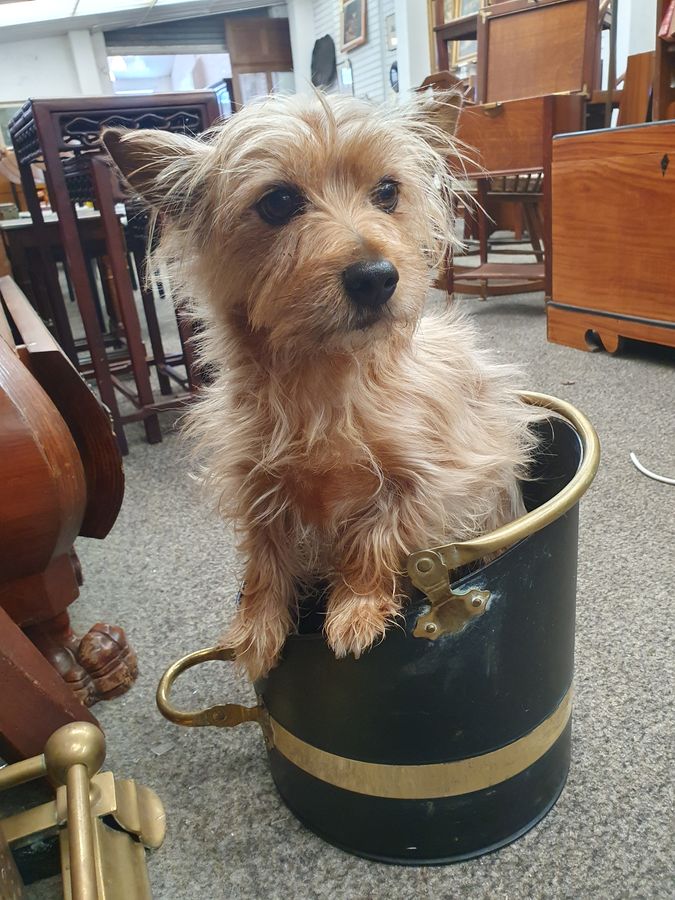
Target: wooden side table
{"points": [[64, 136]]}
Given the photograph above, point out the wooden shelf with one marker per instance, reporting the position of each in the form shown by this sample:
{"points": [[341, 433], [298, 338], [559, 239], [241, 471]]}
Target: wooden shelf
{"points": [[464, 29]]}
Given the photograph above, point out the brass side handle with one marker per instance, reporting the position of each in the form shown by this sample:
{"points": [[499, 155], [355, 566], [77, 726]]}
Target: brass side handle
{"points": [[227, 716], [492, 109]]}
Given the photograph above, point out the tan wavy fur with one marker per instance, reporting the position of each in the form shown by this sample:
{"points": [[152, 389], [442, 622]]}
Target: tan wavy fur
{"points": [[336, 445]]}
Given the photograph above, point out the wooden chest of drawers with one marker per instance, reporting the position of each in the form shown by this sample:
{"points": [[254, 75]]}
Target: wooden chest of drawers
{"points": [[613, 203]]}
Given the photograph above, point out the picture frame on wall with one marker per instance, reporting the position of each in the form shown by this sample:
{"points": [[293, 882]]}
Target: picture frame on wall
{"points": [[464, 52], [390, 31], [457, 9], [345, 78], [353, 26]]}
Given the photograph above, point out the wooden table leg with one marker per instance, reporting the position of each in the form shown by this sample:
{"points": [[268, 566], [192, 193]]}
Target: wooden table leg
{"points": [[154, 330], [50, 272], [192, 370], [534, 230], [75, 260], [116, 252], [482, 216]]}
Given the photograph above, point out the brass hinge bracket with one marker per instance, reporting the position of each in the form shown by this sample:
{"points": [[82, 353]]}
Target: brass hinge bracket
{"points": [[450, 611]]}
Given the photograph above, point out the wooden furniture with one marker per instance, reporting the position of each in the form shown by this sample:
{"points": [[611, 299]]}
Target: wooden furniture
{"points": [[514, 138], [527, 50], [23, 248], [664, 71], [257, 47], [450, 29], [65, 136], [62, 477], [613, 195], [636, 96], [521, 107]]}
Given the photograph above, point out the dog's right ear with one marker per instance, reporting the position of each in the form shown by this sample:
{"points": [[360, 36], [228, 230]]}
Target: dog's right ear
{"points": [[163, 168]]}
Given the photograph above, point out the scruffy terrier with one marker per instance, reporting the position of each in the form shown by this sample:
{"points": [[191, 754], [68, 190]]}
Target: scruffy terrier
{"points": [[343, 429]]}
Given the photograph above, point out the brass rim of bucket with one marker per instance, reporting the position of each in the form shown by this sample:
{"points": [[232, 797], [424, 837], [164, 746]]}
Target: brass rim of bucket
{"points": [[461, 553]]}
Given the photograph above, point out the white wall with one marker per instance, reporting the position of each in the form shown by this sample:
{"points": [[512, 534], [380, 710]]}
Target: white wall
{"points": [[642, 26], [40, 68], [301, 29], [372, 61], [154, 85], [636, 32], [68, 65], [412, 21], [368, 61]]}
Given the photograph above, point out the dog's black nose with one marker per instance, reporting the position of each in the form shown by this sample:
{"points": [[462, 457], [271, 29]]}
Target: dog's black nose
{"points": [[370, 284]]}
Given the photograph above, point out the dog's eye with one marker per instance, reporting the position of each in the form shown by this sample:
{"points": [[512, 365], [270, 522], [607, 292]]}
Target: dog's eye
{"points": [[280, 205], [385, 195]]}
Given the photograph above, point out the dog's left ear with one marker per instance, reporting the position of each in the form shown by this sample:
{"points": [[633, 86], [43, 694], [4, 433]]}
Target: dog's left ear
{"points": [[440, 110], [163, 168]]}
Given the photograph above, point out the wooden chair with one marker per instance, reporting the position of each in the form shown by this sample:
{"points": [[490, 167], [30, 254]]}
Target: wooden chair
{"points": [[521, 106]]}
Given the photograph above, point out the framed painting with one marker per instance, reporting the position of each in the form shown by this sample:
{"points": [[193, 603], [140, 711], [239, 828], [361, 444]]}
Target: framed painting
{"points": [[457, 9], [353, 24]]}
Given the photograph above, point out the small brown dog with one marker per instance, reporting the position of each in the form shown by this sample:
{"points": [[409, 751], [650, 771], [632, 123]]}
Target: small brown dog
{"points": [[343, 429]]}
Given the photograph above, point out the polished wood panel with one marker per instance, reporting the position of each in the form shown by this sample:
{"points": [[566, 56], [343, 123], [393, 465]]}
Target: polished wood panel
{"points": [[35, 699], [259, 42], [527, 50], [637, 89], [583, 330], [41, 511], [52, 436], [613, 201], [88, 422], [514, 136]]}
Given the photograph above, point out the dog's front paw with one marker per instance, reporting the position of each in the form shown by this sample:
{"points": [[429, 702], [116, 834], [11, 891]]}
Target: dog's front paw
{"points": [[257, 643], [353, 623]]}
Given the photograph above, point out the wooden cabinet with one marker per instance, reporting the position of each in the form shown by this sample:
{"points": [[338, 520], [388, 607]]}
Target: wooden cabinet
{"points": [[613, 203]]}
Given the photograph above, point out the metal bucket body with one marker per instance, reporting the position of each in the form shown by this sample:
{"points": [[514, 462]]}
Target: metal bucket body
{"points": [[451, 737], [431, 751]]}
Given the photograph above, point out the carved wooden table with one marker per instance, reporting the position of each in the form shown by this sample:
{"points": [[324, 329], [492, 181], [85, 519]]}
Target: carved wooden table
{"points": [[64, 135]]}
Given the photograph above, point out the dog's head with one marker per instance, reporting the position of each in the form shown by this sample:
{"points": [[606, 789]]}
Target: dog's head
{"points": [[313, 221]]}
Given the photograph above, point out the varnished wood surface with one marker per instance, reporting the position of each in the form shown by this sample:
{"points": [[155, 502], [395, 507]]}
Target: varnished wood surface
{"points": [[637, 89], [43, 485], [613, 208], [664, 71], [514, 135], [574, 329], [500, 271], [35, 699], [632, 140], [89, 424], [528, 50]]}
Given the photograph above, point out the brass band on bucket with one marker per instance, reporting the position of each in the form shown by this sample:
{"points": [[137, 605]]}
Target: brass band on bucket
{"points": [[423, 782]]}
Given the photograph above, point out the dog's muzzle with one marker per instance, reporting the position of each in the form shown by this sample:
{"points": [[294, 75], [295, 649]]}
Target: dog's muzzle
{"points": [[369, 284]]}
